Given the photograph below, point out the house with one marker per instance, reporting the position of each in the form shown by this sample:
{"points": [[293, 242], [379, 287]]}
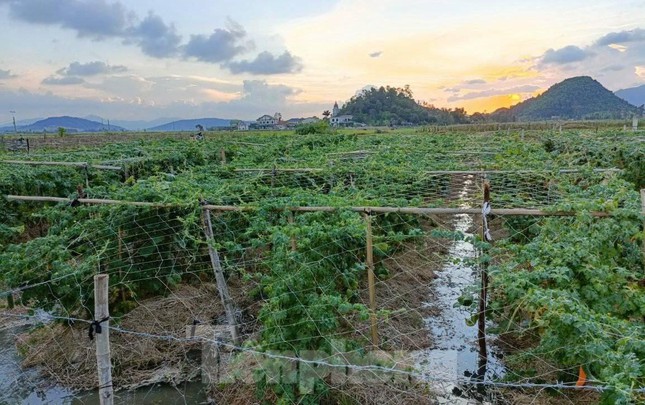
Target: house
{"points": [[309, 120], [239, 125], [266, 122], [293, 122], [341, 121], [338, 120]]}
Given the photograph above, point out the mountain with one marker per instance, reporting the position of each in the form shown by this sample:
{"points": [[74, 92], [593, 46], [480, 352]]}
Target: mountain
{"points": [[189, 125], [576, 98], [20, 122], [72, 124], [396, 106], [132, 125], [633, 95]]}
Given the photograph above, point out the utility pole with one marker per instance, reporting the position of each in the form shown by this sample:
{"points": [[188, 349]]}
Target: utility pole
{"points": [[13, 116]]}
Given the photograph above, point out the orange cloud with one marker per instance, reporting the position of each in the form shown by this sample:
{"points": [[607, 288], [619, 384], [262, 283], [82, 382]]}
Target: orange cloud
{"points": [[216, 95]]}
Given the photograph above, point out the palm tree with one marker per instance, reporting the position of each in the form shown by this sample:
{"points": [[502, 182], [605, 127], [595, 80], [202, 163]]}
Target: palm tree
{"points": [[326, 114]]}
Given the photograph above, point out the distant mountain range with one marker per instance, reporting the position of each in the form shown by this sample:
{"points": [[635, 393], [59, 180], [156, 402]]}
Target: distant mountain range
{"points": [[576, 98], [634, 95], [72, 124], [133, 125], [189, 125], [75, 124]]}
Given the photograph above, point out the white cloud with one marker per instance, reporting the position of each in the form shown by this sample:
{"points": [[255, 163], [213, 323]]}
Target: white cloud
{"points": [[90, 69]]}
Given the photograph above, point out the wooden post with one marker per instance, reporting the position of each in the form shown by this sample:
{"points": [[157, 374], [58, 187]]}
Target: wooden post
{"points": [[294, 244], [273, 173], [222, 154], [10, 302], [643, 212], [87, 176], [104, 365], [120, 238], [481, 321], [229, 307], [371, 278]]}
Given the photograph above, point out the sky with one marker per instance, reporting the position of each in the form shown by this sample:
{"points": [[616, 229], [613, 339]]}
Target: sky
{"points": [[145, 59]]}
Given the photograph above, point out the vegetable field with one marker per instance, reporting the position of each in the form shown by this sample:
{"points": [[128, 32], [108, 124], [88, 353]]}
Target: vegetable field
{"points": [[333, 252]]}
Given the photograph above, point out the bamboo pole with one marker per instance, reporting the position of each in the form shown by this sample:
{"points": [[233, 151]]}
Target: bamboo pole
{"points": [[643, 212], [560, 171], [303, 170], [356, 152], [294, 244], [87, 176], [229, 306], [120, 237], [376, 210], [273, 173], [102, 313], [371, 279], [94, 201], [72, 164]]}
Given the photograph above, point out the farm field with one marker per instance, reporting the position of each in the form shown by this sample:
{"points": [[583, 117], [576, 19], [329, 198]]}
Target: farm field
{"points": [[295, 256]]}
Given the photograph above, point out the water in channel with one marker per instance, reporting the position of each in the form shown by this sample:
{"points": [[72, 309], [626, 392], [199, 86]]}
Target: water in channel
{"points": [[455, 352]]}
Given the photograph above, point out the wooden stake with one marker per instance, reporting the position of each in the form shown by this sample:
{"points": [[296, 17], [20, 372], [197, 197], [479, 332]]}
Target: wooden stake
{"points": [[229, 306], [294, 245], [87, 177], [222, 154], [120, 237], [481, 321], [273, 173], [371, 278], [643, 212], [10, 302], [104, 365]]}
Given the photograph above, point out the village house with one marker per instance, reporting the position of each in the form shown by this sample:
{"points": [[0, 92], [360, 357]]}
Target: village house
{"points": [[239, 125], [266, 122], [338, 120], [293, 122]]}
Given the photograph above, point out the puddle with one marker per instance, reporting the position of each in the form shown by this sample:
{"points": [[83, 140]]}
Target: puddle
{"points": [[27, 387]]}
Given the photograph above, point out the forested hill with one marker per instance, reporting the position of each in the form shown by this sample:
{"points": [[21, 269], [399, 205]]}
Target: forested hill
{"points": [[396, 106], [575, 98]]}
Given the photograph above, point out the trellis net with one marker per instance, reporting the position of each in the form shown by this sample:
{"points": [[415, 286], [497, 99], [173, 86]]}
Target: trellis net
{"points": [[311, 325]]}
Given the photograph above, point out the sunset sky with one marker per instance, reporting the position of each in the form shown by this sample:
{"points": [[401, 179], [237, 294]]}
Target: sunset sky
{"points": [[147, 59]]}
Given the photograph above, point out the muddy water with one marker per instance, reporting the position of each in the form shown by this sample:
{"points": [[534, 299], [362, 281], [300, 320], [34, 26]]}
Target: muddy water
{"points": [[455, 354], [27, 387]]}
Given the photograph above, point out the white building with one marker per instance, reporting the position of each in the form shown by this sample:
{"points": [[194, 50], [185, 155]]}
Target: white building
{"points": [[342, 121], [338, 120], [266, 122]]}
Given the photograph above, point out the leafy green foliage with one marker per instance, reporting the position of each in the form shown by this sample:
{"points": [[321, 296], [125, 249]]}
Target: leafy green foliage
{"points": [[318, 127], [577, 281], [396, 106]]}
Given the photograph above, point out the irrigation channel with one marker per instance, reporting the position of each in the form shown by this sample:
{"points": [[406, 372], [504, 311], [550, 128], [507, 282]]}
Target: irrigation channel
{"points": [[455, 352]]}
